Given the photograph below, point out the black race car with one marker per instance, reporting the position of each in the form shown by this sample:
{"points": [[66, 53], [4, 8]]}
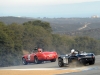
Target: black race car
{"points": [[80, 58]]}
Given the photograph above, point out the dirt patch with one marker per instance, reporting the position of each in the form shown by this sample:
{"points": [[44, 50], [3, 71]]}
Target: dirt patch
{"points": [[25, 52], [35, 72]]}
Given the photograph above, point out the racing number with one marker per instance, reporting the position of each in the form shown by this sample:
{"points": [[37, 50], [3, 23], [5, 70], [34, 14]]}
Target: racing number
{"points": [[28, 57]]}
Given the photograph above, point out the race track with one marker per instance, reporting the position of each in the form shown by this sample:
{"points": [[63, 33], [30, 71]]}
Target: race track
{"points": [[53, 67]]}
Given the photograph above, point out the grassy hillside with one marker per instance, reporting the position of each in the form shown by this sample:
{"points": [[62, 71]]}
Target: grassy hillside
{"points": [[94, 33], [72, 24], [68, 26]]}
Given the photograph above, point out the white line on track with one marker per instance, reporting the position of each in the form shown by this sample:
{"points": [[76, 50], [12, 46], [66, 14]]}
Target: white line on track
{"points": [[79, 68]]}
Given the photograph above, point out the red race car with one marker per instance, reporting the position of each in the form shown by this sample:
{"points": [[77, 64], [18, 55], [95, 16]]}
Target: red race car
{"points": [[38, 56]]}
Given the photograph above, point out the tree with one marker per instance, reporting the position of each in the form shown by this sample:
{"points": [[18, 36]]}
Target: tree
{"points": [[6, 48], [45, 25]]}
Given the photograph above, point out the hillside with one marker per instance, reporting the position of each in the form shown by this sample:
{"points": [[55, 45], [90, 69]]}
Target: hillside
{"points": [[68, 26], [72, 24], [16, 38], [11, 19], [94, 33]]}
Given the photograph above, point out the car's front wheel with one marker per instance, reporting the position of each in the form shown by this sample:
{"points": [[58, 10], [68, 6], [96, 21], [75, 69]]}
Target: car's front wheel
{"points": [[60, 62], [24, 61]]}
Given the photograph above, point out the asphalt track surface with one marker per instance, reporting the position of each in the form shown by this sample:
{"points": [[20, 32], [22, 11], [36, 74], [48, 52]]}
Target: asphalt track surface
{"points": [[81, 70]]}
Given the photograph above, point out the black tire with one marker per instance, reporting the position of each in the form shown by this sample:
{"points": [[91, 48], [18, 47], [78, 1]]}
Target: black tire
{"points": [[92, 62], [36, 61], [53, 60], [60, 62], [24, 61]]}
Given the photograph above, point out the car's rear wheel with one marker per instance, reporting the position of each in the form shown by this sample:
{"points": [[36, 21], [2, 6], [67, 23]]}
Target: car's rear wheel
{"points": [[91, 62], [24, 61], [60, 62]]}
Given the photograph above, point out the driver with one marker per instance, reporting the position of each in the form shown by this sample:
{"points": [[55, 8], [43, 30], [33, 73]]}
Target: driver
{"points": [[39, 49], [73, 52]]}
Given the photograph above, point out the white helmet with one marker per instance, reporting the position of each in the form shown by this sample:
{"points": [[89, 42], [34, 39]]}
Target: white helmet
{"points": [[72, 50]]}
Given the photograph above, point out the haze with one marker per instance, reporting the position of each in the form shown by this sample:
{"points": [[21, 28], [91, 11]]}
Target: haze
{"points": [[50, 8]]}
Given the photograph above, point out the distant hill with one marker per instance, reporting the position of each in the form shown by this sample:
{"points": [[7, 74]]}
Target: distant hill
{"points": [[11, 19], [76, 26], [94, 33], [72, 24], [68, 26]]}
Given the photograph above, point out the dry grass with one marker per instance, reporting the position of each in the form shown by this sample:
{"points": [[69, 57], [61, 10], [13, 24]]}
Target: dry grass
{"points": [[34, 72], [25, 52]]}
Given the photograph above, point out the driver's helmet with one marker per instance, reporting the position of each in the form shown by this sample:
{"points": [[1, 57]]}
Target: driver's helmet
{"points": [[39, 49], [73, 51]]}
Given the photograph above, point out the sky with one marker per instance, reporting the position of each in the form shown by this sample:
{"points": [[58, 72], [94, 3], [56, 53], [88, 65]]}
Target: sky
{"points": [[49, 8]]}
